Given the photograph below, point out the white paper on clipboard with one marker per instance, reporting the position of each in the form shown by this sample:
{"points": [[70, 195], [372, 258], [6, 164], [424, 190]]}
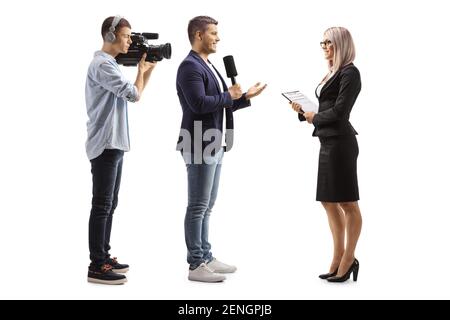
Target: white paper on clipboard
{"points": [[297, 96]]}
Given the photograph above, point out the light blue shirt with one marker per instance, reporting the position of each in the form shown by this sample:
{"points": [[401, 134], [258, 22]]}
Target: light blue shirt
{"points": [[107, 93]]}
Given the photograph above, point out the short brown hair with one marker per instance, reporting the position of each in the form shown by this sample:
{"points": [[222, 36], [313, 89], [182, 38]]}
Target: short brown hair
{"points": [[199, 23], [108, 22]]}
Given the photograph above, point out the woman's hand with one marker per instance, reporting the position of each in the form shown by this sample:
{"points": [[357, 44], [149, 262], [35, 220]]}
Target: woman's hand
{"points": [[309, 116], [297, 107]]}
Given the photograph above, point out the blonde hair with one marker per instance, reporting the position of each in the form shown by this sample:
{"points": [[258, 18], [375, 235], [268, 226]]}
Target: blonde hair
{"points": [[343, 47]]}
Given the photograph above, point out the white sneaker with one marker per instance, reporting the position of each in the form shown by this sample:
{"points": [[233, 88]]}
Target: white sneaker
{"points": [[204, 274], [220, 267]]}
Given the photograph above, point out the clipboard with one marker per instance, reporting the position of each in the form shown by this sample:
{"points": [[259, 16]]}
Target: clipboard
{"points": [[297, 96]]}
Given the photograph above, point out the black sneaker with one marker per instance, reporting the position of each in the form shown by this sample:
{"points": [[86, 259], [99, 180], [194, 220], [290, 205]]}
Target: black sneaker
{"points": [[105, 275], [116, 266]]}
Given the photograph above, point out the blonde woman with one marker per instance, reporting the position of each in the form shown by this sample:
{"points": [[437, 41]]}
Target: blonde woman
{"points": [[337, 182]]}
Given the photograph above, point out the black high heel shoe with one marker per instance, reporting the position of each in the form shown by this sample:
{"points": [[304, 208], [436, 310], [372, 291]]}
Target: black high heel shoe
{"points": [[328, 275], [354, 268]]}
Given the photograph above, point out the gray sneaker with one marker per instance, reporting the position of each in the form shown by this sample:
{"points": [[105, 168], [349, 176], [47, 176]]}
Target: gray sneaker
{"points": [[204, 274], [220, 267]]}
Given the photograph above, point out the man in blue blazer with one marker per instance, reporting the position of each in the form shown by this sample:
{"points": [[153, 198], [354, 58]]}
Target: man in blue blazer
{"points": [[205, 98]]}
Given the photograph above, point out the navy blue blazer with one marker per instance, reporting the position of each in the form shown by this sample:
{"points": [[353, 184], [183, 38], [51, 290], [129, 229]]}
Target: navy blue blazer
{"points": [[202, 99], [336, 101]]}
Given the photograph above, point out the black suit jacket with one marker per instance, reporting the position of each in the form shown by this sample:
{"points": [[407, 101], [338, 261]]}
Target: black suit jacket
{"points": [[203, 101], [336, 101]]}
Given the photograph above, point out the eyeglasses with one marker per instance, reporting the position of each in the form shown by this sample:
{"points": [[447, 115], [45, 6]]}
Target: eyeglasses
{"points": [[325, 44]]}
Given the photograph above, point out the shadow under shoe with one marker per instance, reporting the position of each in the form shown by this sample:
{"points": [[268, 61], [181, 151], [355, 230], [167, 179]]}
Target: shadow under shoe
{"points": [[354, 268]]}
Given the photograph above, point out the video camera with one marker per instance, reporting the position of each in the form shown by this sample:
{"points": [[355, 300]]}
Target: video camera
{"points": [[140, 46]]}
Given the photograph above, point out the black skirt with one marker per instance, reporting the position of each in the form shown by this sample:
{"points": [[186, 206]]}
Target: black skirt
{"points": [[337, 179]]}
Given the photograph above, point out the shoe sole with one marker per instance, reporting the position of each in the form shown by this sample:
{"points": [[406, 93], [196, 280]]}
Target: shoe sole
{"points": [[110, 282], [223, 271], [120, 270], [207, 281]]}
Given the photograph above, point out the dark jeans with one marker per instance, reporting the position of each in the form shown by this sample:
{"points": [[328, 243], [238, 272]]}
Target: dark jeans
{"points": [[106, 173]]}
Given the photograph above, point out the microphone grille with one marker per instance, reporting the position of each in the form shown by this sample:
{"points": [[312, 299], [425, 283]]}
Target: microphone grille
{"points": [[230, 67]]}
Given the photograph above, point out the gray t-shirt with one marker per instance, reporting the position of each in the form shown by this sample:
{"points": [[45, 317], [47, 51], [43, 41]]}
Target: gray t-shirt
{"points": [[107, 93]]}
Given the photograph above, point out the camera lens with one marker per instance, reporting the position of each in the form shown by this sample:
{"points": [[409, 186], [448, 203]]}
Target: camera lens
{"points": [[166, 50], [159, 52]]}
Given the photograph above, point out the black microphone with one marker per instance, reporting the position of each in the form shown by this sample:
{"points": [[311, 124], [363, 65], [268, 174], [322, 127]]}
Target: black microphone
{"points": [[230, 68]]}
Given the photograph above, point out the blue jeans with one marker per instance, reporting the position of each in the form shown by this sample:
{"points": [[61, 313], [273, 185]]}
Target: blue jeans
{"points": [[203, 184]]}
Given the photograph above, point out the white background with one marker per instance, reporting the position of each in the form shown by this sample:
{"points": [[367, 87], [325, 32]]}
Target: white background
{"points": [[266, 219]]}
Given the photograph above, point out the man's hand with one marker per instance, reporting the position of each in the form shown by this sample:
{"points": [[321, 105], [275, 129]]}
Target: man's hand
{"points": [[255, 91], [235, 91], [297, 107], [145, 66], [309, 116]]}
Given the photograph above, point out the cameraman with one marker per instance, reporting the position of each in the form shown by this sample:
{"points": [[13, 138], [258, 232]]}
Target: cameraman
{"points": [[107, 94]]}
